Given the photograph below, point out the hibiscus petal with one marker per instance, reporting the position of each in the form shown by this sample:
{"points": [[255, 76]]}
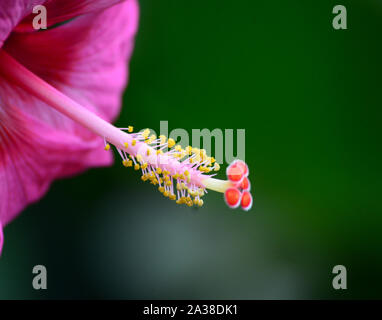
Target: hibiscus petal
{"points": [[85, 59], [11, 13], [17, 15], [63, 10], [1, 238], [32, 154]]}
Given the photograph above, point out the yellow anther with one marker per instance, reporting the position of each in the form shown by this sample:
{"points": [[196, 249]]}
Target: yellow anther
{"points": [[172, 196], [166, 193], [176, 176], [130, 128], [161, 189], [212, 160], [166, 178], [107, 147], [126, 145], [139, 158], [146, 133], [125, 163], [186, 173], [153, 137], [162, 139], [166, 173], [144, 166], [188, 179], [136, 167], [171, 143], [217, 167], [148, 152], [168, 183], [134, 142], [159, 170], [178, 148], [179, 186], [181, 177], [159, 152]]}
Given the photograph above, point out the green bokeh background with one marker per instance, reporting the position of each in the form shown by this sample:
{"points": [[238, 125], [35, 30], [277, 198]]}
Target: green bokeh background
{"points": [[309, 98]]}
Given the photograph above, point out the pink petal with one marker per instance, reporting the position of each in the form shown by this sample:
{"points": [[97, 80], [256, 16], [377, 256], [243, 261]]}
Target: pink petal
{"points": [[18, 14], [85, 59], [63, 10], [11, 13], [1, 238], [32, 154]]}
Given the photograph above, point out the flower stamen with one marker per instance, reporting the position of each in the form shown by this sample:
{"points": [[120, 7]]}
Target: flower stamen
{"points": [[184, 170]]}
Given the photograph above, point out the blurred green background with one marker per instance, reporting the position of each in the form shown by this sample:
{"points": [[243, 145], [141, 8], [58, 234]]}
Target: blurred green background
{"points": [[309, 98]]}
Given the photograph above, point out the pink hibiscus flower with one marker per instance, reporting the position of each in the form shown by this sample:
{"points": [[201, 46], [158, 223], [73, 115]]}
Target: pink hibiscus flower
{"points": [[59, 90], [38, 144]]}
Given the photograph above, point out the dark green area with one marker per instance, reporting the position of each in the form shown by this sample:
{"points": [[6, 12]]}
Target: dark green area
{"points": [[309, 98]]}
